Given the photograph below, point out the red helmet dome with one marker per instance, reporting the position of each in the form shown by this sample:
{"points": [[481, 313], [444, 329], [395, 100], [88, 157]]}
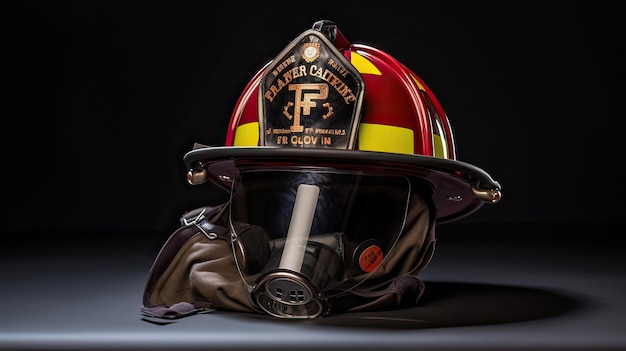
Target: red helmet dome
{"points": [[326, 102]]}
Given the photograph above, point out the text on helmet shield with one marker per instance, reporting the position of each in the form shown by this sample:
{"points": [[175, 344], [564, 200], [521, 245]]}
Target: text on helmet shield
{"points": [[311, 97], [315, 71]]}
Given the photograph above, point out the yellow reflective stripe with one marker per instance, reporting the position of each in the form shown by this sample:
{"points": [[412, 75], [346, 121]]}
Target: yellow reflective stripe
{"points": [[440, 148], [247, 134], [363, 65], [419, 85], [384, 138]]}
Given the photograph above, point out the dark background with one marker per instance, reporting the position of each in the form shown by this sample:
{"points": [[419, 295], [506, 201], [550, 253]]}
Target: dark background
{"points": [[103, 98]]}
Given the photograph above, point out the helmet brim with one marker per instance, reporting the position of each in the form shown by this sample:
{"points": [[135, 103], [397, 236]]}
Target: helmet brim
{"points": [[459, 188]]}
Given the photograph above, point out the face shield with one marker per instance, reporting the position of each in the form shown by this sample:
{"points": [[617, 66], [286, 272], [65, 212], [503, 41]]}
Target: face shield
{"points": [[302, 238]]}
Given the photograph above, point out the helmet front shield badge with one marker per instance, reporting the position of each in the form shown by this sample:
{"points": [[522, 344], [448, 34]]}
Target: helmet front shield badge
{"points": [[310, 96]]}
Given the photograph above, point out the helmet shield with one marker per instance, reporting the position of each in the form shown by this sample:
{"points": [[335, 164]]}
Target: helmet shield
{"points": [[310, 96], [303, 237]]}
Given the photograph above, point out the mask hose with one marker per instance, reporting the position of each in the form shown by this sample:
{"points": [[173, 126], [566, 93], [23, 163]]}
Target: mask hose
{"points": [[290, 289]]}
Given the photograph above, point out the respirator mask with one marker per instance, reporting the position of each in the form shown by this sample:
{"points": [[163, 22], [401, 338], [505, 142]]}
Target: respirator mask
{"points": [[301, 239]]}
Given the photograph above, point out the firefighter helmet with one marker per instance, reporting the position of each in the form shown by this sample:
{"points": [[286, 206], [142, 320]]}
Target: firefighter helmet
{"points": [[327, 102]]}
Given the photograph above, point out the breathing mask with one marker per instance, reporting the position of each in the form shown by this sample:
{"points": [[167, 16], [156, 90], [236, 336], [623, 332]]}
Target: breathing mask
{"points": [[302, 238]]}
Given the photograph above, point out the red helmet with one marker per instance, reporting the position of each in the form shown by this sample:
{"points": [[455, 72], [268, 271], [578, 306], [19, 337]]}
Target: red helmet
{"points": [[326, 102]]}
